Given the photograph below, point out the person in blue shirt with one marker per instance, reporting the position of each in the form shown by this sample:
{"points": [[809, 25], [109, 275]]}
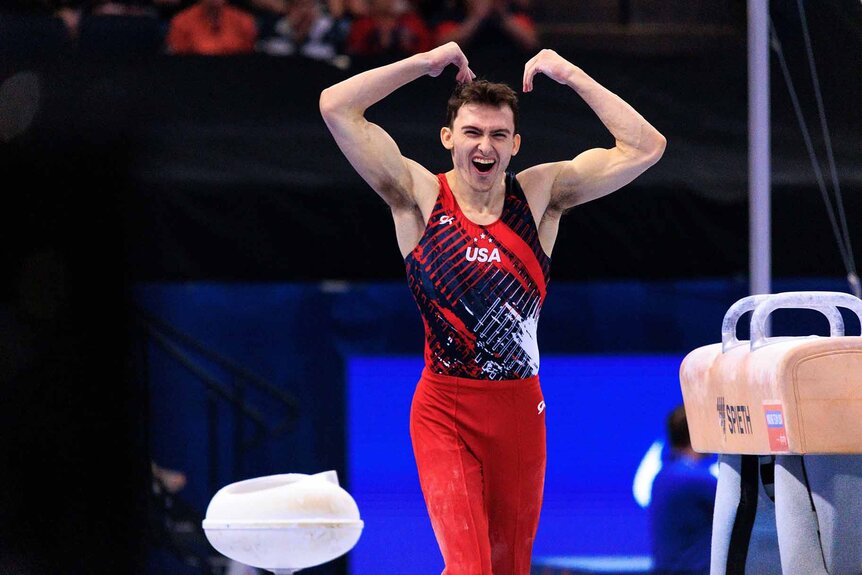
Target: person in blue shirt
{"points": [[683, 498]]}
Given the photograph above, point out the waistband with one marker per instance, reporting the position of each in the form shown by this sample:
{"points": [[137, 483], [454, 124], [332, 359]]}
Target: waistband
{"points": [[479, 384]]}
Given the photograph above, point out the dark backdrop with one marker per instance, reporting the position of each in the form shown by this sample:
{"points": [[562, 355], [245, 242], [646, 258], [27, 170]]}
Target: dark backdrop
{"points": [[225, 170]]}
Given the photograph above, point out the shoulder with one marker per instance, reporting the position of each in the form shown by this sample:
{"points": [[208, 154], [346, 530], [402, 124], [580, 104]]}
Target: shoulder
{"points": [[539, 179], [692, 474], [537, 183]]}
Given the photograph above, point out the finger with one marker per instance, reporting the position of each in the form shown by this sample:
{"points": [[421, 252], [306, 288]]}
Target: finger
{"points": [[529, 74], [461, 63], [465, 74]]}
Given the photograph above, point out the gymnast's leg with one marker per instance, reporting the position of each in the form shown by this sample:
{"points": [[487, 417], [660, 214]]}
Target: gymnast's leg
{"points": [[451, 478], [515, 476], [480, 451]]}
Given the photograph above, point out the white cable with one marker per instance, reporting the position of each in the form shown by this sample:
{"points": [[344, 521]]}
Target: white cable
{"points": [[842, 236], [827, 140], [806, 136]]}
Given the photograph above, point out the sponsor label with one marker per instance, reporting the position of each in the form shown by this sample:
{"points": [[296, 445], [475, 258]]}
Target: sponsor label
{"points": [[733, 419], [774, 415]]}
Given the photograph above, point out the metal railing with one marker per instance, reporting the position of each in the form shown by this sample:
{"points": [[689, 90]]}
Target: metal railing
{"points": [[186, 351]]}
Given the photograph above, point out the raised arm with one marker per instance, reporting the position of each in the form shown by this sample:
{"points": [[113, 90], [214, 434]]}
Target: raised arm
{"points": [[368, 148], [598, 171]]}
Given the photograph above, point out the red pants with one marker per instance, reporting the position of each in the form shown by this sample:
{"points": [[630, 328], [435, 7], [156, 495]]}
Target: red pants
{"points": [[480, 452]]}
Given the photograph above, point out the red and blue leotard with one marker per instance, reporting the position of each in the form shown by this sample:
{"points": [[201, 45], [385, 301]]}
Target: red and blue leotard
{"points": [[480, 288]]}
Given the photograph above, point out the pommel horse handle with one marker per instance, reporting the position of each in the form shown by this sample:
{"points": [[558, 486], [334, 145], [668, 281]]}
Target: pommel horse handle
{"points": [[762, 305], [822, 301]]}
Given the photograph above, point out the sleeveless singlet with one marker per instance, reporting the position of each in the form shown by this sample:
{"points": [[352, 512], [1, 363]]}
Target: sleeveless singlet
{"points": [[480, 288]]}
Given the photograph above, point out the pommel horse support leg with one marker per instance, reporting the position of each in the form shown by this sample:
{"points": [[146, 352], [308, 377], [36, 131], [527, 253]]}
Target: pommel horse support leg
{"points": [[743, 528], [785, 415]]}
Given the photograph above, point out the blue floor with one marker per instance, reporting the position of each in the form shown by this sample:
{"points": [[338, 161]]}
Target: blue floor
{"points": [[589, 565]]}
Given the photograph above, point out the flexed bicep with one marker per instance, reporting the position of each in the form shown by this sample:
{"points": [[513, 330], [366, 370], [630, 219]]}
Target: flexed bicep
{"points": [[597, 171], [594, 173]]}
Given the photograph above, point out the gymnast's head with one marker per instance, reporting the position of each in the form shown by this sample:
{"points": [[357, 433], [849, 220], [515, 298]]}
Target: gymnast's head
{"points": [[484, 93], [481, 131]]}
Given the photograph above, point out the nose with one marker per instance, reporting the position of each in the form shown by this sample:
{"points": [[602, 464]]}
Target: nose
{"points": [[485, 144]]}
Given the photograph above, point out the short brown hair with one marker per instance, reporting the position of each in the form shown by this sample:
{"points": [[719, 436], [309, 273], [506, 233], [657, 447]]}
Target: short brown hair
{"points": [[481, 92]]}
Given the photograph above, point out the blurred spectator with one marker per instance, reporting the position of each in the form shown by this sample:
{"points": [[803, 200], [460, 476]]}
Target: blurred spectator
{"points": [[345, 13], [683, 499], [38, 7], [122, 8], [486, 23], [350, 8], [121, 29], [305, 30], [212, 27], [391, 28], [57, 19], [71, 17]]}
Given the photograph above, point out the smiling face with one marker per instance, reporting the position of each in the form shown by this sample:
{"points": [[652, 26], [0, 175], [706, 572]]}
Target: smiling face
{"points": [[482, 141]]}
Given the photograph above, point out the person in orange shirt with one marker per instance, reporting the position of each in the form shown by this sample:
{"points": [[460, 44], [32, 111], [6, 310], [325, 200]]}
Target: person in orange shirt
{"points": [[213, 28]]}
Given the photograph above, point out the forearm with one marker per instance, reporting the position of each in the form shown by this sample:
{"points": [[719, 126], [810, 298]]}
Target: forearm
{"points": [[357, 93]]}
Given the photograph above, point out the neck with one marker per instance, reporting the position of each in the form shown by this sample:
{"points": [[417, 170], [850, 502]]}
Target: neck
{"points": [[478, 202]]}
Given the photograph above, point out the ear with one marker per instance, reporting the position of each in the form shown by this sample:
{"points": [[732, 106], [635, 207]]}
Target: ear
{"points": [[446, 138], [516, 144]]}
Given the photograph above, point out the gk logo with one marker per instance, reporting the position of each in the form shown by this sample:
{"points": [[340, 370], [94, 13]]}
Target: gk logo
{"points": [[444, 219], [541, 406]]}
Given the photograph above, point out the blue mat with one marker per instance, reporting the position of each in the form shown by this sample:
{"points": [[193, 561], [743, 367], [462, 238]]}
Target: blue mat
{"points": [[589, 565]]}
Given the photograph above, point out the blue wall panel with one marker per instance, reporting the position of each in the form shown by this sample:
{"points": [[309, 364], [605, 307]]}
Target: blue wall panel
{"points": [[603, 414], [349, 353]]}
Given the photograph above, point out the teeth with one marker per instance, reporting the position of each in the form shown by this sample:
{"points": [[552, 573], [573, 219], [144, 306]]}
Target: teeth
{"points": [[483, 161]]}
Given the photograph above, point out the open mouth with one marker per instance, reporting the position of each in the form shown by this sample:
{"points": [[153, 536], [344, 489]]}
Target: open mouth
{"points": [[483, 165]]}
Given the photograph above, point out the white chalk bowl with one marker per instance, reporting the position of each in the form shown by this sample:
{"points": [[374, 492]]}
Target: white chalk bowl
{"points": [[283, 523]]}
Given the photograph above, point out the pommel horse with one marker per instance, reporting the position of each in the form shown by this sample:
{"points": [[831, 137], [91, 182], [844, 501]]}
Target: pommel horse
{"points": [[785, 416]]}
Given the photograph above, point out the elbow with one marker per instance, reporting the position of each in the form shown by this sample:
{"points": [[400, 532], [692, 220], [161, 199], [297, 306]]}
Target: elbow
{"points": [[327, 104], [648, 150], [656, 149], [335, 109]]}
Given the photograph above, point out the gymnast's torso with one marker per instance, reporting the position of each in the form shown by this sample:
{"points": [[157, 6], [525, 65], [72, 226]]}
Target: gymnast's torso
{"points": [[480, 288]]}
